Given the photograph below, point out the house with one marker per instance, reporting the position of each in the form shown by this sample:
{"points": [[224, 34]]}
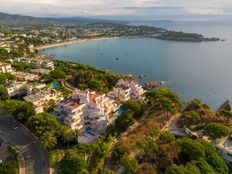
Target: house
{"points": [[16, 88], [5, 68], [37, 100], [41, 99], [127, 89], [22, 76]]}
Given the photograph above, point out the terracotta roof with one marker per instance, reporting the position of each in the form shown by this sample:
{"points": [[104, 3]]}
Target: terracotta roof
{"points": [[92, 97]]}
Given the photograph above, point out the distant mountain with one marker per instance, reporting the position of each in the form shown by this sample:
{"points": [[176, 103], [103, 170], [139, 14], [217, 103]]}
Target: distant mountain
{"points": [[19, 20]]}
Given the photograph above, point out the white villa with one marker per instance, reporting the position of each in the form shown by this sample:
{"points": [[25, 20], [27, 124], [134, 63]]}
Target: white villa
{"points": [[85, 109], [127, 89]]}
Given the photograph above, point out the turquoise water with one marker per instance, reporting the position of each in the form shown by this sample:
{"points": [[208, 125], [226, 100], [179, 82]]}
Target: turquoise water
{"points": [[120, 111], [55, 85], [193, 70]]}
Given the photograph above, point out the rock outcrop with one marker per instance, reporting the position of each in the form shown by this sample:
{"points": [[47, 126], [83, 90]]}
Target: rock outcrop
{"points": [[225, 106]]}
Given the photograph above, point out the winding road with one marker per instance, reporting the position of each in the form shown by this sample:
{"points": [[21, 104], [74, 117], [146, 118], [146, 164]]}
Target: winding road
{"points": [[35, 157]]}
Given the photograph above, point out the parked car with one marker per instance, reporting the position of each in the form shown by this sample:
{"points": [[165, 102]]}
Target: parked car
{"points": [[15, 126]]}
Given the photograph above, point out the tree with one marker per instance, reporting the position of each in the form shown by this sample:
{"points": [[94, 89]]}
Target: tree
{"points": [[209, 148], [216, 130], [190, 118], [48, 140], [72, 163], [56, 75], [191, 168], [175, 169], [20, 66], [225, 113], [4, 77], [166, 137], [3, 53], [3, 93], [130, 164], [108, 171], [123, 122], [204, 167], [192, 149], [165, 99], [132, 106], [20, 110], [217, 163], [8, 167], [69, 135], [117, 154], [42, 123]]}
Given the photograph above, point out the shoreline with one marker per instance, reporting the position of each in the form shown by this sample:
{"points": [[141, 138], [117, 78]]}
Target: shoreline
{"points": [[73, 42]]}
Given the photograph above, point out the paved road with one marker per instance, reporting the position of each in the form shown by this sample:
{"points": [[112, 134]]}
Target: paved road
{"points": [[35, 157]]}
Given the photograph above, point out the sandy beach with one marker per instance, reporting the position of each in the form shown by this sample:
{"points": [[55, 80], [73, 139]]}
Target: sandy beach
{"points": [[73, 42]]}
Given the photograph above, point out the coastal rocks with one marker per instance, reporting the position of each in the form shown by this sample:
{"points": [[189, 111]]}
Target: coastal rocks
{"points": [[142, 76], [151, 85], [225, 106]]}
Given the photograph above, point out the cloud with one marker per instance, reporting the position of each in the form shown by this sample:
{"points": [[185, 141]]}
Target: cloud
{"points": [[144, 2], [117, 7], [209, 10]]}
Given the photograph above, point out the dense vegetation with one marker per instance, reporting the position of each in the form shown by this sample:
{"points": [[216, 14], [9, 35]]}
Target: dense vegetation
{"points": [[83, 76], [9, 167], [4, 77], [20, 110], [3, 93]]}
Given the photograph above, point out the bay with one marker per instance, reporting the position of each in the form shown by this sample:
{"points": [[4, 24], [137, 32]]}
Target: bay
{"points": [[193, 70]]}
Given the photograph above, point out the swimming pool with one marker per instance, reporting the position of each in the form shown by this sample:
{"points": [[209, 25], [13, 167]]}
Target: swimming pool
{"points": [[55, 85]]}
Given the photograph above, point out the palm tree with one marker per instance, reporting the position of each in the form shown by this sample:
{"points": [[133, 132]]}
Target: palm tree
{"points": [[69, 135], [48, 140]]}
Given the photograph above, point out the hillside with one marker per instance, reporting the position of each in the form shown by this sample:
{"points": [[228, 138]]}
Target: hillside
{"points": [[20, 20]]}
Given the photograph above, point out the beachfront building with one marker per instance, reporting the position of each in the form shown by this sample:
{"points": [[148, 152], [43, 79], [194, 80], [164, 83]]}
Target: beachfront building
{"points": [[38, 63], [70, 112], [99, 109], [86, 110], [16, 88], [41, 99], [22, 76], [127, 89], [5, 68]]}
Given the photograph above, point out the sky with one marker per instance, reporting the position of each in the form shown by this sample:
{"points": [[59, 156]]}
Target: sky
{"points": [[136, 9]]}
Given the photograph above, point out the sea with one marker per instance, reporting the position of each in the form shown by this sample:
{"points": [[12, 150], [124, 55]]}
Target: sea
{"points": [[191, 69]]}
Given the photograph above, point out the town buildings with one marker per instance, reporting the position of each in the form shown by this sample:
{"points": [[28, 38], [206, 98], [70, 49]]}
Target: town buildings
{"points": [[37, 63], [126, 90], [5, 68]]}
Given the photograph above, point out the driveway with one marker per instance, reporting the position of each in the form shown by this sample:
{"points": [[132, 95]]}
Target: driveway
{"points": [[36, 160]]}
